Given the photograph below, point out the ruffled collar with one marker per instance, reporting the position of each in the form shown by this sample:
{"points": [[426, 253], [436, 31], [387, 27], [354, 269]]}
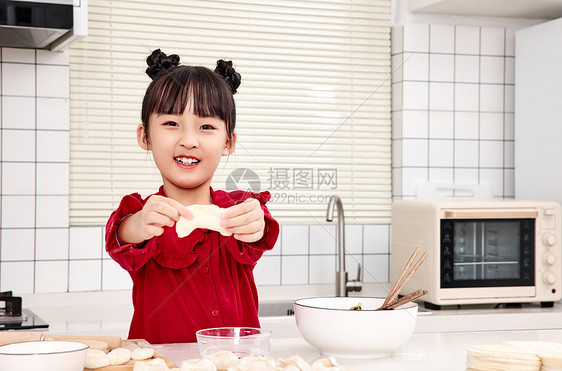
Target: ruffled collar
{"points": [[177, 253], [220, 198]]}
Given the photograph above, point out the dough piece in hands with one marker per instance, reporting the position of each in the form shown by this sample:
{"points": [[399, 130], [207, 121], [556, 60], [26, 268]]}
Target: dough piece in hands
{"points": [[156, 364], [197, 365], [205, 217], [295, 363], [96, 358], [119, 356], [326, 364], [141, 353], [223, 359]]}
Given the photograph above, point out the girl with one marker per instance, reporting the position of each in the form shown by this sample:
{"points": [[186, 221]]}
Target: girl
{"points": [[181, 285]]}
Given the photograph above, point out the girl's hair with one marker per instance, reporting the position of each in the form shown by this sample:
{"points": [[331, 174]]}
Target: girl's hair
{"points": [[173, 87]]}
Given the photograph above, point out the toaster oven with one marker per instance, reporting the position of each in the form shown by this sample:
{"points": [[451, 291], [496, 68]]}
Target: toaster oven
{"points": [[480, 251]]}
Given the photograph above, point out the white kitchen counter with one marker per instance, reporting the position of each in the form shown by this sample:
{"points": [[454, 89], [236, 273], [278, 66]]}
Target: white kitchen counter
{"points": [[439, 341], [424, 352], [109, 313], [115, 319]]}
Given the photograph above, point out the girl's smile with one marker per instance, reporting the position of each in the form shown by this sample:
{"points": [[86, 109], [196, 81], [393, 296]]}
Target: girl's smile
{"points": [[188, 162]]}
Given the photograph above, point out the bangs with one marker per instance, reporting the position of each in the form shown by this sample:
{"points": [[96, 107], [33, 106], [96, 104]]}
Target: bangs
{"points": [[195, 88]]}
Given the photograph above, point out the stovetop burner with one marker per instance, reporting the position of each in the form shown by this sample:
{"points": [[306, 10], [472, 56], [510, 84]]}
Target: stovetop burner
{"points": [[12, 304], [13, 317], [28, 320]]}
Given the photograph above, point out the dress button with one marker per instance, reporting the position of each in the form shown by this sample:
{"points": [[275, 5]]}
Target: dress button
{"points": [[205, 270], [215, 313]]}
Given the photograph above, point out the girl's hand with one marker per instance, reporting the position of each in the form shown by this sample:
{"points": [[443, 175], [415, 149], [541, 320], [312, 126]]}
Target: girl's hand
{"points": [[150, 221], [245, 220]]}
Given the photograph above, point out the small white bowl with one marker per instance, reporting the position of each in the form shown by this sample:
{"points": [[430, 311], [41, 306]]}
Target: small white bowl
{"points": [[242, 341], [328, 324], [43, 355]]}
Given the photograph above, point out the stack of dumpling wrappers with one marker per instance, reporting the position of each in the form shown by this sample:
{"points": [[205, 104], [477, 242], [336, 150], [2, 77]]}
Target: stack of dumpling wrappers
{"points": [[515, 355]]}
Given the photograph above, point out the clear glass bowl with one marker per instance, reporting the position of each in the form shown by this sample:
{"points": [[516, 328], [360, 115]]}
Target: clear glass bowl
{"points": [[242, 341]]}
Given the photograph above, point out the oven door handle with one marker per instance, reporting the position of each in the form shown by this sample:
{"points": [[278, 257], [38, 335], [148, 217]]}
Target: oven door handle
{"points": [[490, 214]]}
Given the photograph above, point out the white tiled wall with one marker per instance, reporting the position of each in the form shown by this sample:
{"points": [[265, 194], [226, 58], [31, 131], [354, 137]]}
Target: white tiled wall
{"points": [[452, 107], [307, 255], [34, 167]]}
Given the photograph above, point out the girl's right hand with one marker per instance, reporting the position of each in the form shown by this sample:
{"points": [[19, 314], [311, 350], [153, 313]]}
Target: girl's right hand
{"points": [[157, 212]]}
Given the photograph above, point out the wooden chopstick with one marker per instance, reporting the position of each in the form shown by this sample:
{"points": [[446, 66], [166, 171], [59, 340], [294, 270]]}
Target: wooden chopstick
{"points": [[405, 299], [407, 278], [393, 292], [390, 302]]}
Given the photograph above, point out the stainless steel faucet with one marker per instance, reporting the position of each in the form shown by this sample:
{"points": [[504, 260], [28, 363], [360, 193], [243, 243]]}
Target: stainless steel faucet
{"points": [[343, 286]]}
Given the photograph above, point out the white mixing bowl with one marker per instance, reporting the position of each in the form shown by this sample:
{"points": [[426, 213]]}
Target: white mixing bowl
{"points": [[329, 325], [43, 355]]}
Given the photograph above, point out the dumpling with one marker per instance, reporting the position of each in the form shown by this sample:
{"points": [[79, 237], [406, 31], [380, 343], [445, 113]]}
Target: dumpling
{"points": [[119, 356], [223, 360], [96, 359], [156, 364], [295, 363], [197, 365], [326, 364], [142, 353], [204, 216], [255, 364]]}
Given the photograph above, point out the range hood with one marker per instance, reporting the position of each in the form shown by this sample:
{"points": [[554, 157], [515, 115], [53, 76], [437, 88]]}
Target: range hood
{"points": [[45, 24]]}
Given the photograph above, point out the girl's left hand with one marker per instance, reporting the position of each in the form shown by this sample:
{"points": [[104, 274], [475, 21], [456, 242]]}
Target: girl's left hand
{"points": [[245, 220]]}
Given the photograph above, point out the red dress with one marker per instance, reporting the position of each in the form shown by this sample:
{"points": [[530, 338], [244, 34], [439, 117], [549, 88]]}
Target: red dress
{"points": [[181, 285]]}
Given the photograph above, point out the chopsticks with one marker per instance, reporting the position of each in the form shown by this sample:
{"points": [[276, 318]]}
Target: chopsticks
{"points": [[405, 299], [403, 278]]}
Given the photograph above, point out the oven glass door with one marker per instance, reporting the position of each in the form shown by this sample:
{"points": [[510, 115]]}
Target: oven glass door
{"points": [[487, 252]]}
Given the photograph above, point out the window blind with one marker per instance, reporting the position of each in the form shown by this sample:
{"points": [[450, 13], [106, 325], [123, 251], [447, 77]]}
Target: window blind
{"points": [[313, 110]]}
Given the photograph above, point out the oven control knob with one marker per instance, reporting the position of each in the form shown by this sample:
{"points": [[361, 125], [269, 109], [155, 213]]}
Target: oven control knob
{"points": [[549, 259], [549, 239], [549, 278]]}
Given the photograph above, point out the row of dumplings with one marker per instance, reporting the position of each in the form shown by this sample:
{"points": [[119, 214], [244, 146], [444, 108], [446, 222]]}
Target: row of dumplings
{"points": [[228, 361], [96, 358]]}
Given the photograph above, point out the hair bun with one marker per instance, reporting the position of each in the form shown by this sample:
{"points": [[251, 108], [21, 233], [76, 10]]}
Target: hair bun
{"points": [[159, 62], [232, 77]]}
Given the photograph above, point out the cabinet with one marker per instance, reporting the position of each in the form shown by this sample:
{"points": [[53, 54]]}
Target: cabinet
{"points": [[538, 112]]}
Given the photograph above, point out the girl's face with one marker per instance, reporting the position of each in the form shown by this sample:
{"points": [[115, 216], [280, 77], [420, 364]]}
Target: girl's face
{"points": [[186, 148]]}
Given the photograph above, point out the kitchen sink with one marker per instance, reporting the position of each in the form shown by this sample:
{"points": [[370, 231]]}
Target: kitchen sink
{"points": [[276, 309]]}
